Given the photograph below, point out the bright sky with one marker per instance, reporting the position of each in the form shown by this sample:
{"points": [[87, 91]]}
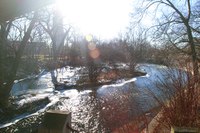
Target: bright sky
{"points": [[102, 18]]}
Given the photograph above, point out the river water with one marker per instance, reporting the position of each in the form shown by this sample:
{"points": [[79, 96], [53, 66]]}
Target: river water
{"points": [[101, 109]]}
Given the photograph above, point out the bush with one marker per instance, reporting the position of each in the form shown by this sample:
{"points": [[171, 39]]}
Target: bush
{"points": [[179, 99]]}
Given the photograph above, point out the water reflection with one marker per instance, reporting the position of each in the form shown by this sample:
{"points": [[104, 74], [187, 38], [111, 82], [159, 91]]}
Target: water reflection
{"points": [[94, 111], [85, 110], [120, 106]]}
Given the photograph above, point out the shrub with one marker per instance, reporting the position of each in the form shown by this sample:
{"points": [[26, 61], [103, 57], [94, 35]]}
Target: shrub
{"points": [[178, 96]]}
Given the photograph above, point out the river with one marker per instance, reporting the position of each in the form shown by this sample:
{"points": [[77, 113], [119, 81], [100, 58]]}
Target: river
{"points": [[100, 109]]}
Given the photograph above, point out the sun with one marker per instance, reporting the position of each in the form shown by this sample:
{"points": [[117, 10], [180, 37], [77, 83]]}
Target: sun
{"points": [[102, 18]]}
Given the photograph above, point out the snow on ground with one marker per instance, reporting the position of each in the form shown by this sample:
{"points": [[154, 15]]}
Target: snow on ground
{"points": [[33, 89], [43, 84]]}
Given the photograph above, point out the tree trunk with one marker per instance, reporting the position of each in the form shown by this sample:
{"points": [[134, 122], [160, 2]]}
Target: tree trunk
{"points": [[193, 52], [4, 95], [6, 87], [3, 87], [2, 50]]}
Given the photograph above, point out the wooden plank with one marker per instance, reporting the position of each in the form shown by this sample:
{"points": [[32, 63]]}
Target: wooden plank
{"points": [[184, 130]]}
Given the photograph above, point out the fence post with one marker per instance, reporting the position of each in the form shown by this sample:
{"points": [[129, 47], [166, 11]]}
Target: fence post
{"points": [[56, 121]]}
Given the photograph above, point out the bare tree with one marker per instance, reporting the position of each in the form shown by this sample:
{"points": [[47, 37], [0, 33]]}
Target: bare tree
{"points": [[52, 23], [176, 25], [135, 43], [7, 83], [4, 31], [92, 56]]}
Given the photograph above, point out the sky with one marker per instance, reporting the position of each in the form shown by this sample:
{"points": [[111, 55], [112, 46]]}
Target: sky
{"points": [[102, 18]]}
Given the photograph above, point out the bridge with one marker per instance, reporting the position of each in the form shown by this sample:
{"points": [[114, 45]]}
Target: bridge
{"points": [[14, 8]]}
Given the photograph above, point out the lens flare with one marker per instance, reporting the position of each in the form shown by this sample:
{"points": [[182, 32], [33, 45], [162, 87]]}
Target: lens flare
{"points": [[91, 46], [88, 38], [94, 53]]}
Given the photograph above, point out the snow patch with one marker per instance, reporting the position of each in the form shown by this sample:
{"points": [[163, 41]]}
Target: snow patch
{"points": [[119, 84], [29, 99]]}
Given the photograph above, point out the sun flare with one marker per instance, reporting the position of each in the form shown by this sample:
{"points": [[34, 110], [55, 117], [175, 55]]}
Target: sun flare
{"points": [[102, 18]]}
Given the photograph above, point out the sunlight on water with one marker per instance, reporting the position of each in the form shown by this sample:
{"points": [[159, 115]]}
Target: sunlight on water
{"points": [[96, 110]]}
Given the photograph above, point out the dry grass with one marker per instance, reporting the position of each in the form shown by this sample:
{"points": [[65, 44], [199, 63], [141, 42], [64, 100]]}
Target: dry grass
{"points": [[179, 102]]}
